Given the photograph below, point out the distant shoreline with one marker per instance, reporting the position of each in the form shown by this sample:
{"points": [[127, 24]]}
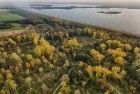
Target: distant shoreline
{"points": [[51, 6], [47, 6], [127, 5]]}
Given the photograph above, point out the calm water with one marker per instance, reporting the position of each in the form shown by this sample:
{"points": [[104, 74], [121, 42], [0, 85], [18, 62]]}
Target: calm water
{"points": [[127, 21]]}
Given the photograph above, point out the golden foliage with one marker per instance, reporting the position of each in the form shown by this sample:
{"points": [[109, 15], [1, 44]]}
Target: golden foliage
{"points": [[89, 69], [60, 93], [17, 69], [15, 57], [118, 73], [77, 92], [128, 47], [9, 76], [72, 42], [39, 50], [133, 89], [81, 64], [35, 37], [44, 47], [88, 30], [120, 60], [29, 57], [18, 38], [39, 60], [12, 41], [96, 55], [102, 70], [3, 71], [107, 92], [138, 56], [35, 62], [66, 64], [103, 46], [117, 52], [99, 70], [65, 89], [28, 81], [136, 50], [114, 42], [10, 84]]}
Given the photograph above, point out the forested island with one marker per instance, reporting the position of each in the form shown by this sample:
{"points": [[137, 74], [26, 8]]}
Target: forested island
{"points": [[109, 12], [49, 55]]}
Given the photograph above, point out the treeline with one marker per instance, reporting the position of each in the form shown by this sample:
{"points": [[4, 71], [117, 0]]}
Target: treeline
{"points": [[5, 25]]}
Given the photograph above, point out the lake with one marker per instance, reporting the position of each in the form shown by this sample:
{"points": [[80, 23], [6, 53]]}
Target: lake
{"points": [[128, 20]]}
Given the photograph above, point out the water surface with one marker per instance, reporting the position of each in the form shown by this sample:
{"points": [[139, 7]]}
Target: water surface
{"points": [[127, 21]]}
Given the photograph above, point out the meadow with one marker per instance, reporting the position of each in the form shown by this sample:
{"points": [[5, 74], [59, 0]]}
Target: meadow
{"points": [[6, 16]]}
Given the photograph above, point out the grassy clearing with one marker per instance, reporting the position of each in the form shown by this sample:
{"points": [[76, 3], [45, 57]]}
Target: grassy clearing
{"points": [[6, 16], [15, 26]]}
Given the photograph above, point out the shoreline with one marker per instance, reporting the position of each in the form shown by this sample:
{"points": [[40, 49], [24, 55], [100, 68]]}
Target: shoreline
{"points": [[92, 25], [130, 34], [99, 27]]}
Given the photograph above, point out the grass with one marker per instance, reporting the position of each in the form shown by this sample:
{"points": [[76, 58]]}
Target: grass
{"points": [[15, 26], [6, 16]]}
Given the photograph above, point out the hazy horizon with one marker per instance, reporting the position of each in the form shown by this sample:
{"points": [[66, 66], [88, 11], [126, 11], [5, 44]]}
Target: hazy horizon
{"points": [[70, 1]]}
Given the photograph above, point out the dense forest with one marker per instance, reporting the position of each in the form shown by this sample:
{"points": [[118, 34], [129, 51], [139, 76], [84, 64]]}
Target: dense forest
{"points": [[54, 56]]}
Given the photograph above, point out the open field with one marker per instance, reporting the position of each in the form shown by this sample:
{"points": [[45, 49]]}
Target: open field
{"points": [[10, 21], [15, 19], [15, 26], [6, 16]]}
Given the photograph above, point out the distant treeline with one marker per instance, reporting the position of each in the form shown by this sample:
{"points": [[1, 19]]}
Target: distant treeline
{"points": [[5, 25], [67, 7]]}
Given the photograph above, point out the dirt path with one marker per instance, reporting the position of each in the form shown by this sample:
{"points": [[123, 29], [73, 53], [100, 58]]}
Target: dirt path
{"points": [[11, 32]]}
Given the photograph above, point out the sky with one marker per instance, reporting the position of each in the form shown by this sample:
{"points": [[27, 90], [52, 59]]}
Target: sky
{"points": [[72, 0]]}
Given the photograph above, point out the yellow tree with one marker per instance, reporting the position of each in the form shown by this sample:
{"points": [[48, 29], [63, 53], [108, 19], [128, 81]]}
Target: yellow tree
{"points": [[35, 37], [120, 60], [96, 55], [118, 73], [15, 58], [29, 57], [44, 47], [72, 42], [117, 52], [12, 41], [128, 47]]}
